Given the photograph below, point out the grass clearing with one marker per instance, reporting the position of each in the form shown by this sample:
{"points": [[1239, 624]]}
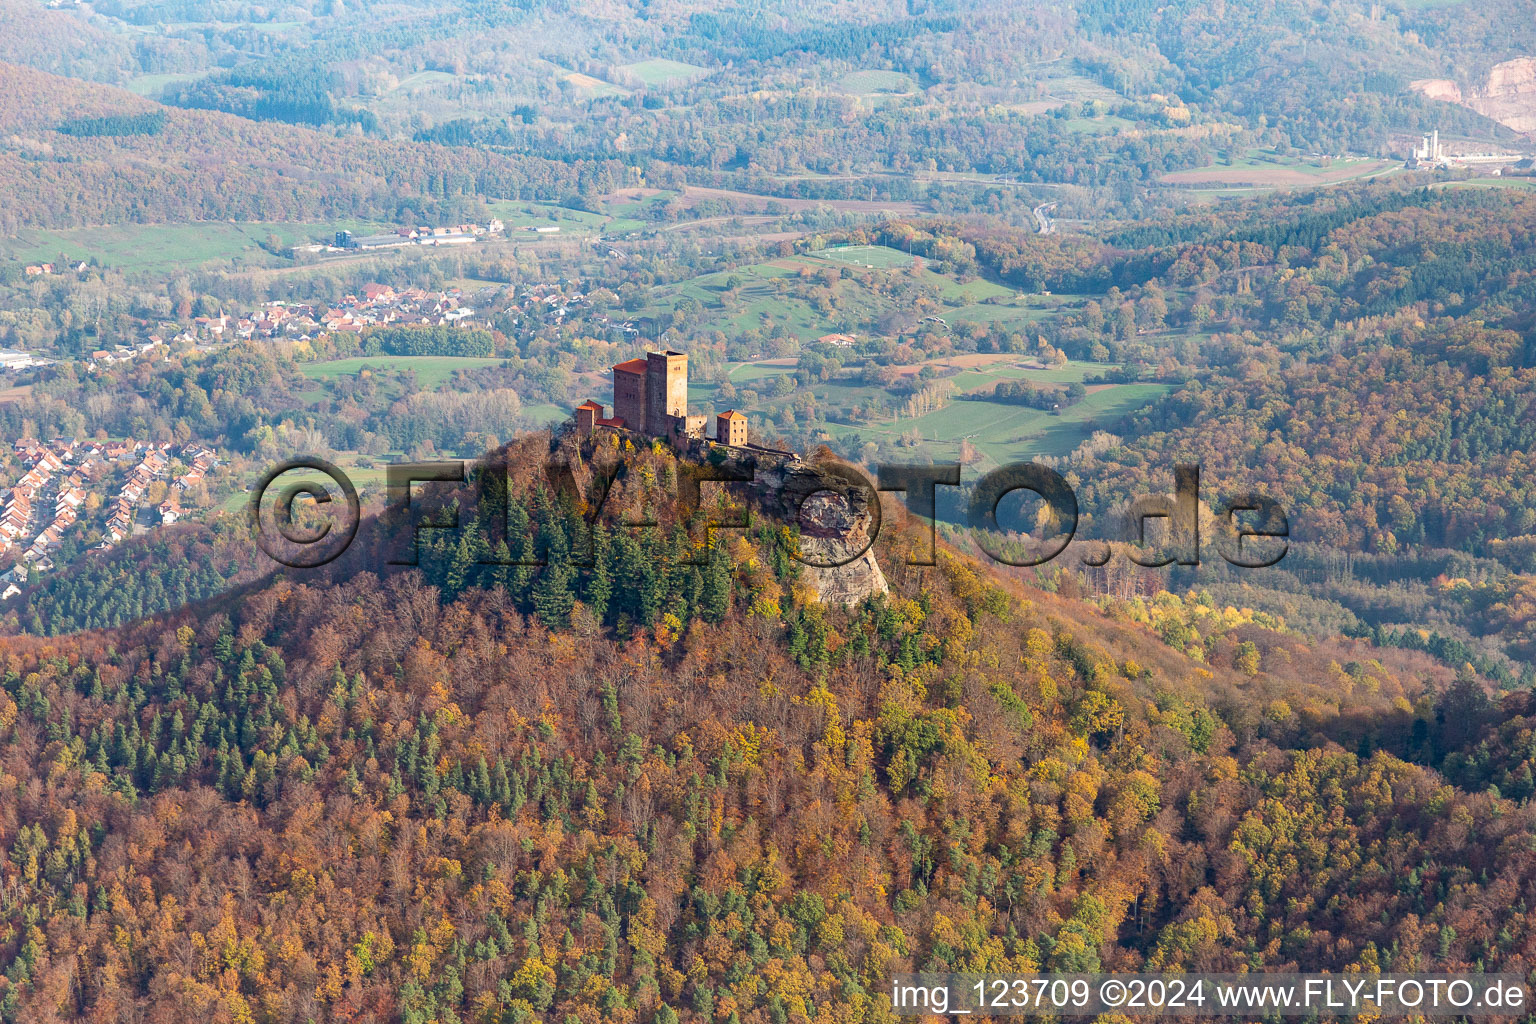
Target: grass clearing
{"points": [[1519, 184], [154, 85], [660, 71], [592, 88], [1103, 124], [163, 247], [878, 257], [431, 371], [770, 294], [871, 82], [422, 80], [1062, 81], [516, 215], [548, 413], [1258, 169], [1003, 432]]}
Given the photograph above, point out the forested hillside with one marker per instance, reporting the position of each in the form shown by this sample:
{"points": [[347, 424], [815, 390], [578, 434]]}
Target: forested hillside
{"points": [[195, 165], [355, 796], [579, 759]]}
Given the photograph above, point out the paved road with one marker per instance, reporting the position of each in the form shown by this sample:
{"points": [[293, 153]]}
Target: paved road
{"points": [[1047, 227]]}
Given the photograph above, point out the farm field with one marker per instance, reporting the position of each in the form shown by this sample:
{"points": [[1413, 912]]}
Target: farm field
{"points": [[1102, 124], [1003, 432], [592, 88], [431, 371], [153, 85], [876, 257], [516, 214], [1263, 170], [1523, 184], [764, 298], [424, 80], [660, 71], [1062, 81], [866, 83], [160, 247]]}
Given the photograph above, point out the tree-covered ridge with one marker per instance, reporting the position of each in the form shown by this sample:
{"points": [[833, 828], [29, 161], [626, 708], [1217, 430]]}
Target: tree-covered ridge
{"points": [[366, 797], [184, 171], [165, 571], [115, 124], [1370, 357]]}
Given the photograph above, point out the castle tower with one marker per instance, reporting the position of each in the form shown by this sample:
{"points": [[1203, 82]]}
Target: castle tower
{"points": [[666, 390], [629, 393]]}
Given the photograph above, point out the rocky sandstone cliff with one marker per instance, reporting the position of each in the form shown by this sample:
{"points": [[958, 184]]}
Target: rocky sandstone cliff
{"points": [[830, 504], [1508, 95], [837, 518]]}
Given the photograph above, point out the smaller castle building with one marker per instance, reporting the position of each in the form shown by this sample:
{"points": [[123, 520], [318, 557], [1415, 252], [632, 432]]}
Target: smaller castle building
{"points": [[731, 429]]}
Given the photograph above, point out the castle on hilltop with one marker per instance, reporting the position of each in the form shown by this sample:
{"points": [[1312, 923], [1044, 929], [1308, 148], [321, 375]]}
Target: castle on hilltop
{"points": [[650, 396]]}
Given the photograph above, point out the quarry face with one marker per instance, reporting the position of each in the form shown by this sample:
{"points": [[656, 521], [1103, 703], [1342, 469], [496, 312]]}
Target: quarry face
{"points": [[1508, 95]]}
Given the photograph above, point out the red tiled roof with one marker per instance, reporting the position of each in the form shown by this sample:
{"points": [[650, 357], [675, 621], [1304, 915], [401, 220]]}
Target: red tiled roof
{"points": [[589, 404], [731, 414], [615, 421], [630, 366]]}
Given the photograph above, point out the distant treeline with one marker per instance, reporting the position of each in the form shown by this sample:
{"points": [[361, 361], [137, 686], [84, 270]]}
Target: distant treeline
{"points": [[755, 38], [184, 172], [1449, 650], [167, 569], [151, 123], [1016, 392], [428, 341], [290, 91]]}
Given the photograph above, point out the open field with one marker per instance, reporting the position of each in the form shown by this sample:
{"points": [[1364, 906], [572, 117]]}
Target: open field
{"points": [[517, 214], [660, 71], [765, 298], [879, 257], [158, 247], [593, 88], [431, 371], [1003, 433], [752, 203], [868, 82], [369, 480], [548, 414], [1102, 124], [16, 394], [424, 80], [153, 85], [628, 210], [1062, 81], [1265, 172], [1523, 184]]}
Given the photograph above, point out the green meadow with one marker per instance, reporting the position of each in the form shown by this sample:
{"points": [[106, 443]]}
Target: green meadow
{"points": [[1003, 433], [431, 371], [660, 71], [166, 247]]}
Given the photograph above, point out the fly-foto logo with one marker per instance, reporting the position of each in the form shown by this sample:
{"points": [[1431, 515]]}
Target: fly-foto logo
{"points": [[1251, 529]]}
